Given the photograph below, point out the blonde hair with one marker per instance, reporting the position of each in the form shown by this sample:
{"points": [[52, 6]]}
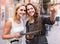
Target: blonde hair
{"points": [[15, 10]]}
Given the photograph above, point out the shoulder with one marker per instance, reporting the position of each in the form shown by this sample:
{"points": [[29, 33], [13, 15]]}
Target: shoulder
{"points": [[8, 22], [7, 26], [10, 19]]}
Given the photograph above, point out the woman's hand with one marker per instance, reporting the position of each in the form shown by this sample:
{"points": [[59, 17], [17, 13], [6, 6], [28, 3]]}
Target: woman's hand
{"points": [[17, 35], [52, 9], [30, 36], [53, 13]]}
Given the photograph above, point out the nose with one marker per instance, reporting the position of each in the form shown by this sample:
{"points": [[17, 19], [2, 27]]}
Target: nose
{"points": [[23, 12], [30, 10]]}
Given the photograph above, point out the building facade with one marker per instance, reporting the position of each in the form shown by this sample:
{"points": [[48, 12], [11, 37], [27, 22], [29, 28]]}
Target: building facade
{"points": [[4, 6], [7, 6]]}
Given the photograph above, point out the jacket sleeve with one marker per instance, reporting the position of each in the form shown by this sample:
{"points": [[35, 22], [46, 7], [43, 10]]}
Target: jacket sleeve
{"points": [[46, 20]]}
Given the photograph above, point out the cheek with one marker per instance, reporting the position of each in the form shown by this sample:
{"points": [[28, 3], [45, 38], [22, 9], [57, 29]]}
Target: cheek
{"points": [[18, 12], [34, 10], [28, 12]]}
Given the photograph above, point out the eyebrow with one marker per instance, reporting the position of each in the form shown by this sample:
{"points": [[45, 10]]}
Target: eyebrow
{"points": [[23, 9]]}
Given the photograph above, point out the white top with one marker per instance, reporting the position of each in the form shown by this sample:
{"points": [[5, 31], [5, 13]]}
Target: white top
{"points": [[17, 28]]}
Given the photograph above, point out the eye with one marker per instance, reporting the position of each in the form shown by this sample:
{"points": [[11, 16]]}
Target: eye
{"points": [[28, 9], [22, 10], [31, 8]]}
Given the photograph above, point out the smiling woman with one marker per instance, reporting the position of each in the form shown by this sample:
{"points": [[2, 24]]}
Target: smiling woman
{"points": [[14, 26], [35, 23]]}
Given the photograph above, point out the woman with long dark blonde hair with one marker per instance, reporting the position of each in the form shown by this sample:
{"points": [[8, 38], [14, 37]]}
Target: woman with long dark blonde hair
{"points": [[36, 23]]}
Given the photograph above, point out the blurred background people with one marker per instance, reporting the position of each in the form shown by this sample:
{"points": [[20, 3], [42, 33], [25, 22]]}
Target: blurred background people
{"points": [[54, 34]]}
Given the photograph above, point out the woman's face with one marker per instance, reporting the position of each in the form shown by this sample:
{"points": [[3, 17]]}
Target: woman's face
{"points": [[30, 10], [21, 11]]}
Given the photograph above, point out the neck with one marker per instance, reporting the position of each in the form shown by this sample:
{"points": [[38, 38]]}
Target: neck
{"points": [[18, 18], [31, 20]]}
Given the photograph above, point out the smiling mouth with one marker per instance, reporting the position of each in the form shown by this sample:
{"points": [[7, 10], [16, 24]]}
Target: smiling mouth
{"points": [[32, 12], [22, 13]]}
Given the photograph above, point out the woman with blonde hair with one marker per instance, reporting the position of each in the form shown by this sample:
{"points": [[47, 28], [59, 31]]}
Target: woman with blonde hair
{"points": [[14, 26]]}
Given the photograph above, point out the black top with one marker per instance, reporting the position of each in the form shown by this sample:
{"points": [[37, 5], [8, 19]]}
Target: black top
{"points": [[30, 27], [45, 20]]}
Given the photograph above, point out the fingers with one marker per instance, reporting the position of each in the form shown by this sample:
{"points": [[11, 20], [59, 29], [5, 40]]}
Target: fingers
{"points": [[17, 35]]}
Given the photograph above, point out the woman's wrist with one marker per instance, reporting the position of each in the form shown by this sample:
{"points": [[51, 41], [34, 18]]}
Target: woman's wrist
{"points": [[13, 35], [16, 36]]}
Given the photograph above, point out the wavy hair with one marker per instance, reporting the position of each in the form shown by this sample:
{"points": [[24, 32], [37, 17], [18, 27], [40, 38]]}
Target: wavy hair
{"points": [[36, 16], [15, 10]]}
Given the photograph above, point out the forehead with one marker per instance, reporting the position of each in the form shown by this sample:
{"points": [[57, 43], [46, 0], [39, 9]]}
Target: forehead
{"points": [[22, 7], [29, 6]]}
